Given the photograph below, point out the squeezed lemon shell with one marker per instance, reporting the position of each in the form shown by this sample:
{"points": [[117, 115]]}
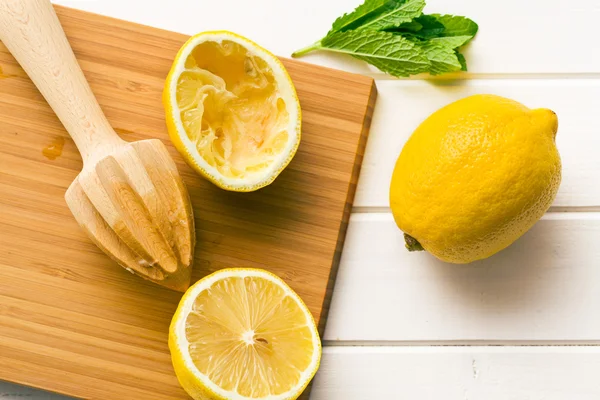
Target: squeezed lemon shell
{"points": [[179, 137]]}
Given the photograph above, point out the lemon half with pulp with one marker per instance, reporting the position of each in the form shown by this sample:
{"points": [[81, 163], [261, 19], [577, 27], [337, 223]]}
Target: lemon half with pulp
{"points": [[232, 110], [242, 334]]}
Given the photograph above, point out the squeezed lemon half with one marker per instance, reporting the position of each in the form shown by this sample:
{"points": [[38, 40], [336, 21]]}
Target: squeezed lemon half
{"points": [[232, 110], [242, 334]]}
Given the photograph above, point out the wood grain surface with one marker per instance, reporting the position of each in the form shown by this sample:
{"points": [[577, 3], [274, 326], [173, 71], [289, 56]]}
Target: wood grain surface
{"points": [[71, 320], [129, 197]]}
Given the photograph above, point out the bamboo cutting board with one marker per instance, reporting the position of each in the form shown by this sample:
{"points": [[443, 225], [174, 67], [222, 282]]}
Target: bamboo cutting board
{"points": [[74, 322]]}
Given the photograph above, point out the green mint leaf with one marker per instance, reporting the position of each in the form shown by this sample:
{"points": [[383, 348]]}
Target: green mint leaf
{"points": [[390, 53], [404, 12], [431, 27], [412, 26], [442, 58], [461, 60], [362, 12], [395, 36], [452, 42], [457, 26]]}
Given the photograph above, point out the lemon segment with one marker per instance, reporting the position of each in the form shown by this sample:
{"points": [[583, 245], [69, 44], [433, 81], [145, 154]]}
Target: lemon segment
{"points": [[232, 110], [243, 334]]}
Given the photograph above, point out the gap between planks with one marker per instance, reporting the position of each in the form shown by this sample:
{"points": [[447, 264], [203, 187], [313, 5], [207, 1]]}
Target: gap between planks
{"points": [[476, 348], [465, 76], [551, 210], [365, 345]]}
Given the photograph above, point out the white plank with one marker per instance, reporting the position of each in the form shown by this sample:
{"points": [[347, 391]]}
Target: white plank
{"points": [[543, 288], [458, 373], [403, 105], [434, 373], [515, 37]]}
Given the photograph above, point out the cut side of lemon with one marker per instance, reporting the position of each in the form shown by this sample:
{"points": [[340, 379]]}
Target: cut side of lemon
{"points": [[242, 334], [232, 110]]}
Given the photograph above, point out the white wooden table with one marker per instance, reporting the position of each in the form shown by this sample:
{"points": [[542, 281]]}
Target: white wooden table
{"points": [[405, 326]]}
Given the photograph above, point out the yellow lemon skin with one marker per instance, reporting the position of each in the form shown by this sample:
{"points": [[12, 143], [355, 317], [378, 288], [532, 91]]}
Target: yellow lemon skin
{"points": [[475, 176]]}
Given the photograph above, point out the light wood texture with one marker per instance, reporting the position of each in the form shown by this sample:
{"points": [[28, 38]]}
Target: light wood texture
{"points": [[459, 373], [72, 321], [403, 105], [31, 32], [539, 290], [129, 197]]}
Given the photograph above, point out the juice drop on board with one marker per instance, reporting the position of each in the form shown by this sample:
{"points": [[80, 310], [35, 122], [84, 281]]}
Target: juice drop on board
{"points": [[54, 149]]}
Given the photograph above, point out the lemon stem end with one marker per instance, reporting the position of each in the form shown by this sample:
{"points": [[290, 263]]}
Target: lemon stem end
{"points": [[412, 244]]}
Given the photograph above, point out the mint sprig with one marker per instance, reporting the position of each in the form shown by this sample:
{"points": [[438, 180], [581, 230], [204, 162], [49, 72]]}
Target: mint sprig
{"points": [[396, 37]]}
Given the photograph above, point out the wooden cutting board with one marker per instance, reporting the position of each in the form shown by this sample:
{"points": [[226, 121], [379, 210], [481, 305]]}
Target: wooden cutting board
{"points": [[74, 322]]}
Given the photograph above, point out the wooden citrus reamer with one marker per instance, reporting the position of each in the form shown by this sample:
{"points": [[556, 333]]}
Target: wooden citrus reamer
{"points": [[129, 197]]}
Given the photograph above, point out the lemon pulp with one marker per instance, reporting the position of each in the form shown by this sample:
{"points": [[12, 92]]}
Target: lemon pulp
{"points": [[230, 108], [247, 335]]}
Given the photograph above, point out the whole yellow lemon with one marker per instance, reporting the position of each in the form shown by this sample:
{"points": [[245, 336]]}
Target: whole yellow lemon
{"points": [[474, 177]]}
